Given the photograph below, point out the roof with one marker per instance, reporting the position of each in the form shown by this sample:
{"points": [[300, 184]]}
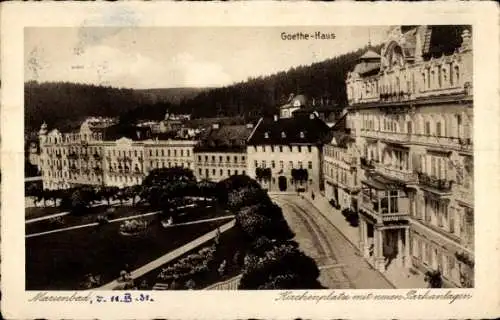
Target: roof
{"points": [[135, 133], [340, 133], [300, 129], [225, 138], [370, 54]]}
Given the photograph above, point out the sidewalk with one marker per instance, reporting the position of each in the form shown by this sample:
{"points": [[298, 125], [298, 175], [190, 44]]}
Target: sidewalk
{"points": [[400, 277], [171, 255]]}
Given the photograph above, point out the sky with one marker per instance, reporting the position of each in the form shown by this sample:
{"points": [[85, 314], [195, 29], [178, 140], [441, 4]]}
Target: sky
{"points": [[172, 57]]}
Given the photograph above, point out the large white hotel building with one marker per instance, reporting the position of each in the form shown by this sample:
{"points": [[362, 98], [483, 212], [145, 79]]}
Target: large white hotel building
{"points": [[407, 166]]}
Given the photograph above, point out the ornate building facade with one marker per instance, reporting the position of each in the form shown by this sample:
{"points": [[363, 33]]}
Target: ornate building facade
{"points": [[411, 115], [96, 155]]}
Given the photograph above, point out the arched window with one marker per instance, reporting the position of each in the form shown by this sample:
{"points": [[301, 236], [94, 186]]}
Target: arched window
{"points": [[423, 82], [440, 83], [432, 80], [409, 127], [445, 76], [456, 75], [427, 129], [439, 132]]}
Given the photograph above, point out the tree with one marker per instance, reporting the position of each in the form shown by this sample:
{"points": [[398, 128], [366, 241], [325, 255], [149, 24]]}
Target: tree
{"points": [[263, 220], [132, 192], [79, 201], [34, 190], [281, 266], [162, 176], [434, 279], [247, 196]]}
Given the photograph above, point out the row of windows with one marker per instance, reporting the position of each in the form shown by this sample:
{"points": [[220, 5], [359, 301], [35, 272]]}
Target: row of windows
{"points": [[163, 164], [340, 175], [437, 213], [221, 158], [283, 148], [334, 152], [432, 256], [420, 125], [74, 137], [432, 78], [263, 164], [125, 179], [124, 153], [170, 152], [218, 173]]}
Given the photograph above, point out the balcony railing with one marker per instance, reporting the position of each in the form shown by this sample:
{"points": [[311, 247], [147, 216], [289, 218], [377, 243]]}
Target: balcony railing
{"points": [[464, 144], [405, 176], [379, 208], [440, 184]]}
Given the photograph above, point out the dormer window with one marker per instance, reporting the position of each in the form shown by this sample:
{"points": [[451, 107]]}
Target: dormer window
{"points": [[302, 134], [283, 134], [266, 135]]}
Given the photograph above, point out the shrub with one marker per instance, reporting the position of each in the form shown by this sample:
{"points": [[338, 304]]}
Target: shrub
{"points": [[283, 266]]}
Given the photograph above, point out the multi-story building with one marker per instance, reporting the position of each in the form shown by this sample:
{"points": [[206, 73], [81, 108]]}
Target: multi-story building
{"points": [[342, 177], [411, 115], [166, 153], [70, 159], [107, 155], [221, 152], [283, 145]]}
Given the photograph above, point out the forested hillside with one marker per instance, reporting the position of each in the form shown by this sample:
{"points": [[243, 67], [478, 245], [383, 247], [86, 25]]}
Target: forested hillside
{"points": [[264, 94], [63, 104]]}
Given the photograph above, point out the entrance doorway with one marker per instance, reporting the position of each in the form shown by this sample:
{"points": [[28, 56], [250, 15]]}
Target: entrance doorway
{"points": [[282, 184]]}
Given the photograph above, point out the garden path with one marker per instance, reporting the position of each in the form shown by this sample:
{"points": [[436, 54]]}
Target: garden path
{"points": [[171, 255]]}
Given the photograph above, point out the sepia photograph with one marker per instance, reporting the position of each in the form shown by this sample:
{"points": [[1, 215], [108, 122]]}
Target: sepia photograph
{"points": [[263, 160], [157, 160]]}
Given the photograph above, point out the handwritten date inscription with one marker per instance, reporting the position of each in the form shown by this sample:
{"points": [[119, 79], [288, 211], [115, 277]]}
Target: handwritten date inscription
{"points": [[123, 298]]}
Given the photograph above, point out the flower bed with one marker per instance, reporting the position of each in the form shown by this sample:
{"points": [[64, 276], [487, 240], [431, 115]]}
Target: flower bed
{"points": [[192, 264], [133, 227]]}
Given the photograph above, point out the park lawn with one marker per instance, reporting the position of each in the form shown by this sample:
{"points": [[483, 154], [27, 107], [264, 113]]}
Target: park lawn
{"points": [[60, 261], [231, 241], [90, 216], [69, 220], [38, 212]]}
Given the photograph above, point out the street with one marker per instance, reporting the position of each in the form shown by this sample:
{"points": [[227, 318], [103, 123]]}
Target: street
{"points": [[341, 267]]}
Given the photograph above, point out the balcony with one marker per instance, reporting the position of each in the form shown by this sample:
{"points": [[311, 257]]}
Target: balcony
{"points": [[401, 175], [367, 164], [433, 182], [394, 137], [383, 210], [462, 144]]}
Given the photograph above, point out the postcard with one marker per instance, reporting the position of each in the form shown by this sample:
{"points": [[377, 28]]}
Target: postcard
{"points": [[249, 160]]}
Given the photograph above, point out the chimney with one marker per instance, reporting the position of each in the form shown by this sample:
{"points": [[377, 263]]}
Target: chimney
{"points": [[215, 126], [275, 118], [138, 134]]}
